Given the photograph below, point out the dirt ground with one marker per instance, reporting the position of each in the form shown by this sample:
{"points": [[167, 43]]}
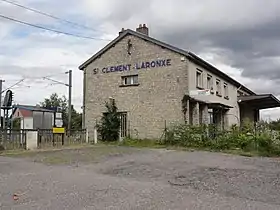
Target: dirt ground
{"points": [[111, 177]]}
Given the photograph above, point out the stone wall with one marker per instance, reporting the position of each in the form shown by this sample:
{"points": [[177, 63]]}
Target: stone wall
{"points": [[155, 100]]}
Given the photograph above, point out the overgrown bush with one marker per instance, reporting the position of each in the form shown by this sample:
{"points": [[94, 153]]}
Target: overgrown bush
{"points": [[249, 137], [2, 148], [109, 128]]}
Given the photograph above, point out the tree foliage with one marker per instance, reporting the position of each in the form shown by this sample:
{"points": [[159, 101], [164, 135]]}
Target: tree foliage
{"points": [[16, 123], [275, 125], [55, 101], [109, 127]]}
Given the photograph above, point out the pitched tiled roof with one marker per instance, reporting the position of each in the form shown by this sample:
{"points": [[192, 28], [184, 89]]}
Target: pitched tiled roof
{"points": [[258, 97], [188, 54], [25, 113], [32, 108], [262, 101]]}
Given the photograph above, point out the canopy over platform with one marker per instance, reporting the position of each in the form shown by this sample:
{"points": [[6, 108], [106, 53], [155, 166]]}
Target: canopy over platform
{"points": [[263, 101], [219, 106], [211, 105]]}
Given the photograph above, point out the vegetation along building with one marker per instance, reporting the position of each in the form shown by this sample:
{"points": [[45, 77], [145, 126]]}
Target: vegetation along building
{"points": [[155, 85]]}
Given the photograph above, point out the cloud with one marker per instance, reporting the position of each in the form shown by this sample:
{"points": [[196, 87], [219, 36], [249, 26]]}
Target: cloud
{"points": [[239, 37], [32, 54]]}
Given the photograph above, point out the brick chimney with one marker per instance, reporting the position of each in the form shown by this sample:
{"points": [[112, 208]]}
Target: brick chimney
{"points": [[121, 31], [143, 29]]}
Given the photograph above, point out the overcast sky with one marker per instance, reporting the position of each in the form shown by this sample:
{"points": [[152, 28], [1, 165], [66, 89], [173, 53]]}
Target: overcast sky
{"points": [[241, 38]]}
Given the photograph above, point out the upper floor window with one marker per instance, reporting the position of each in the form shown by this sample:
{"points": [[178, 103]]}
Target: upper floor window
{"points": [[219, 88], [226, 90], [209, 82], [240, 93], [130, 80], [199, 79]]}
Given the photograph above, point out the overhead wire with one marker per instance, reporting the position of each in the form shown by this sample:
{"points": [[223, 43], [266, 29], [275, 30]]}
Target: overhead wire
{"points": [[52, 30], [10, 87], [48, 15], [42, 77], [18, 82], [22, 86], [57, 82]]}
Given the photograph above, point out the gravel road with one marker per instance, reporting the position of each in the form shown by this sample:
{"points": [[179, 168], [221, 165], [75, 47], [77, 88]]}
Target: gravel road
{"points": [[143, 179]]}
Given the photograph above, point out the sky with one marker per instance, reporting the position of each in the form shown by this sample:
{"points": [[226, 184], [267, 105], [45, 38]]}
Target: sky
{"points": [[241, 38]]}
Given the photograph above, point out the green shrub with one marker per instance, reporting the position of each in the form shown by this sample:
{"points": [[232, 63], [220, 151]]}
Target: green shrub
{"points": [[109, 127], [248, 138], [2, 148], [186, 135], [140, 143]]}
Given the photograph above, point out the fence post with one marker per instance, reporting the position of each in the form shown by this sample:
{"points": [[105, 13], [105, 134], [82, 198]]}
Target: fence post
{"points": [[120, 135], [165, 131], [95, 135], [31, 140], [87, 137]]}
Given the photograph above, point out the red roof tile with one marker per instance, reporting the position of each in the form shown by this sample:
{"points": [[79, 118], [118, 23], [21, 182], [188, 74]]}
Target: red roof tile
{"points": [[25, 113]]}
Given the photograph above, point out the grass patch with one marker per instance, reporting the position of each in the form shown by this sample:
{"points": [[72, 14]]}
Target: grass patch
{"points": [[68, 156], [135, 143], [156, 144], [141, 143], [54, 160]]}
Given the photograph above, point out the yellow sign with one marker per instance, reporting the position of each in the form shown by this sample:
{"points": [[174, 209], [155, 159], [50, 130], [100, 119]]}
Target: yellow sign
{"points": [[59, 130]]}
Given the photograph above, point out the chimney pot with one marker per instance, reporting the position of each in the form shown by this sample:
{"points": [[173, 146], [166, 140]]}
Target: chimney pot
{"points": [[121, 31], [143, 29]]}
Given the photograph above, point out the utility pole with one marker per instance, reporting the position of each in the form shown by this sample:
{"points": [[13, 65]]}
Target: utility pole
{"points": [[69, 101], [69, 85], [1, 87]]}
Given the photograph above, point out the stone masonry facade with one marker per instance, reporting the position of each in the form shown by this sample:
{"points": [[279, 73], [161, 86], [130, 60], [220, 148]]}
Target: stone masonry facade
{"points": [[160, 96], [154, 103]]}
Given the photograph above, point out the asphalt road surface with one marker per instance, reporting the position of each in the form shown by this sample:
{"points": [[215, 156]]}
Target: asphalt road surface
{"points": [[142, 179]]}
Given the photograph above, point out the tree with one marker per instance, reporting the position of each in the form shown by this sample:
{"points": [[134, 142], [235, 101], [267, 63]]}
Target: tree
{"points": [[109, 127], [275, 125], [55, 101], [16, 123]]}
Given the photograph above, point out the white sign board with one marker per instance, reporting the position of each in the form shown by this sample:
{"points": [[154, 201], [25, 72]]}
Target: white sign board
{"points": [[58, 115], [205, 92], [58, 123]]}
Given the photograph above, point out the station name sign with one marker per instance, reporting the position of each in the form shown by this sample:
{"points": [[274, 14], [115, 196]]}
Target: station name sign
{"points": [[136, 66]]}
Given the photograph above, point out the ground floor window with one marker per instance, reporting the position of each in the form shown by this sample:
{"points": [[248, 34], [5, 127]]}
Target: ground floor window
{"points": [[210, 115], [124, 125]]}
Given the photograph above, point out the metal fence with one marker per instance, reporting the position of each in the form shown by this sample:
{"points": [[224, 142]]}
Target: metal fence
{"points": [[46, 138], [12, 139], [16, 139]]}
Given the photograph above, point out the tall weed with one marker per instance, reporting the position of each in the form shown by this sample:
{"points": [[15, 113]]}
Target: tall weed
{"points": [[249, 137]]}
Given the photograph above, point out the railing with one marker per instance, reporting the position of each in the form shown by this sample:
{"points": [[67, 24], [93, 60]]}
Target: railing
{"points": [[12, 139], [17, 139], [76, 137], [46, 138]]}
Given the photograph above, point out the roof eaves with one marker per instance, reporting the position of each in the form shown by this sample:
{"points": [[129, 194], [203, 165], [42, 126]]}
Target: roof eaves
{"points": [[32, 108], [259, 97], [137, 34], [220, 73], [103, 50], [168, 46], [275, 98], [155, 41]]}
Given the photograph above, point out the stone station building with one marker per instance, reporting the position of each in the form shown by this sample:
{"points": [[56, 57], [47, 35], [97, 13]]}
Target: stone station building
{"points": [[155, 85]]}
